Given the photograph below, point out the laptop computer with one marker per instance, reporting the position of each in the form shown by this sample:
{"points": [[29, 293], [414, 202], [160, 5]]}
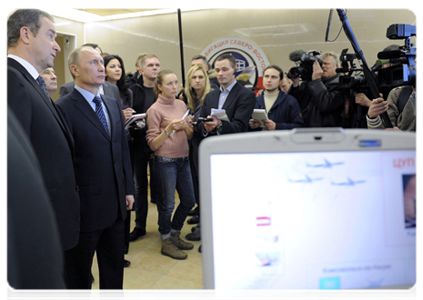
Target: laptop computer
{"points": [[309, 208]]}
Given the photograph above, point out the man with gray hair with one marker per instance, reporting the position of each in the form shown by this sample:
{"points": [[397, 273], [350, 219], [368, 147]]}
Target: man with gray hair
{"points": [[321, 100]]}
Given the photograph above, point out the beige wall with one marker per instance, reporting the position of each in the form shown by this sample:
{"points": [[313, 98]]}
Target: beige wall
{"points": [[277, 32]]}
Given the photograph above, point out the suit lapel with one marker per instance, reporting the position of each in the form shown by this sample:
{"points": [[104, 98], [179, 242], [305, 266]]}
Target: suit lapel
{"points": [[46, 100], [215, 103], [82, 105]]}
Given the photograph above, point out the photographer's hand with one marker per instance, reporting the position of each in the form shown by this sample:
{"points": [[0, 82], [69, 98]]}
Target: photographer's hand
{"points": [[362, 99], [317, 71], [377, 107]]}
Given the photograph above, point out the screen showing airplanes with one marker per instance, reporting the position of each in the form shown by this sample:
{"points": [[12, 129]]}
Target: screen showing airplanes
{"points": [[319, 220]]}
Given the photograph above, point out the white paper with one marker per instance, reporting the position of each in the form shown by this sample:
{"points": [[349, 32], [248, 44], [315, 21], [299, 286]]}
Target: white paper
{"points": [[220, 114], [183, 118], [260, 114]]}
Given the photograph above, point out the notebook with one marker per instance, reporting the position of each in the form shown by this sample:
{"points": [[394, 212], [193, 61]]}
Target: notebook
{"points": [[308, 209]]}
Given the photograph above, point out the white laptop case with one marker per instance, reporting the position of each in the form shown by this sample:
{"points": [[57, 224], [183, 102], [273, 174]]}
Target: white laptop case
{"points": [[308, 209]]}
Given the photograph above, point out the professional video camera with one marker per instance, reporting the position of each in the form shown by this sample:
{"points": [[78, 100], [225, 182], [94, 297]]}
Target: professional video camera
{"points": [[401, 72], [348, 81], [305, 61], [403, 65]]}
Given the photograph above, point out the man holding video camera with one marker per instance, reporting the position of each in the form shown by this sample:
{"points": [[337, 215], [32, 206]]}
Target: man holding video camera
{"points": [[320, 98], [402, 105]]}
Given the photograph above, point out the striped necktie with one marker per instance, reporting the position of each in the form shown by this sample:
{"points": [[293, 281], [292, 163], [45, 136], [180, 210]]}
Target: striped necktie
{"points": [[100, 113], [42, 83]]}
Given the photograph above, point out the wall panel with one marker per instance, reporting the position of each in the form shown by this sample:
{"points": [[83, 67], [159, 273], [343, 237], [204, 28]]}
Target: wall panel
{"points": [[277, 31]]}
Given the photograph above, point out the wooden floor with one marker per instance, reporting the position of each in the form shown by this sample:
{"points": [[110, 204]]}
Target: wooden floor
{"points": [[150, 269]]}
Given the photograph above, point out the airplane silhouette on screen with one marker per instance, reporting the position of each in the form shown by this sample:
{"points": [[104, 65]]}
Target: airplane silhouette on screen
{"points": [[350, 182], [307, 179], [326, 164]]}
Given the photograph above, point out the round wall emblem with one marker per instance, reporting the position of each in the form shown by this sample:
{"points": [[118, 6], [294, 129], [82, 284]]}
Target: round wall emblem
{"points": [[251, 60]]}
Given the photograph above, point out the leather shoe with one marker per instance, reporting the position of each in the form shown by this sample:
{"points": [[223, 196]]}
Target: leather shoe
{"points": [[195, 235], [126, 263], [194, 220], [136, 233], [193, 212], [199, 249]]}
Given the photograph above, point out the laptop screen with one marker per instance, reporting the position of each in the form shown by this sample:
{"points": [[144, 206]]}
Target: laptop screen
{"points": [[326, 219]]}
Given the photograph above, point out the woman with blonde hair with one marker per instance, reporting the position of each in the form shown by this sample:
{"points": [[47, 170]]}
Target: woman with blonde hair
{"points": [[167, 135], [197, 87]]}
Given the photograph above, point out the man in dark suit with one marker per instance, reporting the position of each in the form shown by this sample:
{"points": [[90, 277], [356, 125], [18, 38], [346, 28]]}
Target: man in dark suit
{"points": [[31, 49], [236, 100], [238, 103], [103, 170]]}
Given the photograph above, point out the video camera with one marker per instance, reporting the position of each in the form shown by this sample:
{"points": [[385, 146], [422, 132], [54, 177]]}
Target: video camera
{"points": [[358, 83], [402, 60], [305, 61], [403, 65]]}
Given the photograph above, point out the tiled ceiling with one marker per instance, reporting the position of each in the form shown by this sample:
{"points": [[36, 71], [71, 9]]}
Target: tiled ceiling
{"points": [[111, 12]]}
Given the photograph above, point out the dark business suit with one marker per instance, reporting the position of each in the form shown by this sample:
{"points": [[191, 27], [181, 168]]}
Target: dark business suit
{"points": [[109, 89], [104, 177], [53, 145], [239, 106], [34, 253]]}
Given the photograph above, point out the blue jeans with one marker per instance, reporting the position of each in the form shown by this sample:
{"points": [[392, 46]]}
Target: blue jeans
{"points": [[173, 174]]}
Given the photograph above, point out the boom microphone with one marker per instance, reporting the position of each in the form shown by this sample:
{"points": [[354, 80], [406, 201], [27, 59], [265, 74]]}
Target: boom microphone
{"points": [[296, 55], [328, 28]]}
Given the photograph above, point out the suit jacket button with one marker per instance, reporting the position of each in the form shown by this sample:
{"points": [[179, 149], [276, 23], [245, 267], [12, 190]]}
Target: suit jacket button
{"points": [[77, 188]]}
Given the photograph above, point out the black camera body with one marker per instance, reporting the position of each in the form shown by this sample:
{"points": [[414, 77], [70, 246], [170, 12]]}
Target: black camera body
{"points": [[401, 72], [403, 60], [305, 61]]}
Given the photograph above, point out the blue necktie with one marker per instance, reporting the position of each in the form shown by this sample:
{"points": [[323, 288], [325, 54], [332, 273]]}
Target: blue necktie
{"points": [[100, 113], [42, 83]]}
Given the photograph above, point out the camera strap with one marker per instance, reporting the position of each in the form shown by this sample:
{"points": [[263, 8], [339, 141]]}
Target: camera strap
{"points": [[403, 97]]}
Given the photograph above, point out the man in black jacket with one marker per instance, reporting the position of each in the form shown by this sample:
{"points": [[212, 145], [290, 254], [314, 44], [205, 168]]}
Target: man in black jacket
{"points": [[237, 101], [142, 154], [320, 99]]}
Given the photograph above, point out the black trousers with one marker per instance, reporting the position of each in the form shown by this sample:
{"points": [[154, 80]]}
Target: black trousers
{"points": [[193, 160], [141, 159], [108, 243]]}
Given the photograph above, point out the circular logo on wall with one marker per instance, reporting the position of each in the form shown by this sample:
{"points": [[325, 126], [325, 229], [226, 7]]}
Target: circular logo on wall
{"points": [[250, 59]]}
